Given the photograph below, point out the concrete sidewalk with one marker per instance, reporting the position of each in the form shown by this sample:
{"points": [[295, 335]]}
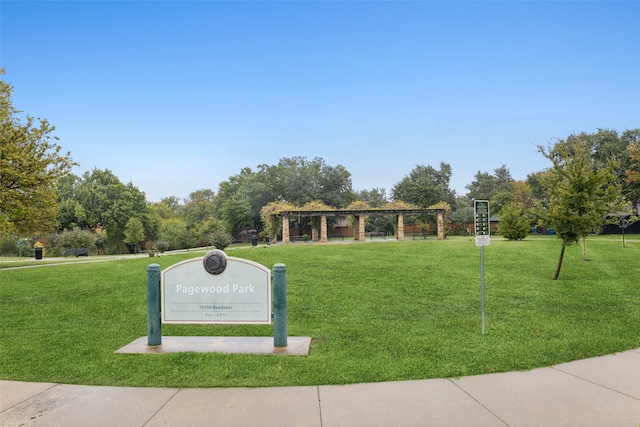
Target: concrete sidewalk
{"points": [[603, 392]]}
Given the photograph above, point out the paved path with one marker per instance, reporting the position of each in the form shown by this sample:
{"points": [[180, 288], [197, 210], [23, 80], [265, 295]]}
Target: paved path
{"points": [[601, 392]]}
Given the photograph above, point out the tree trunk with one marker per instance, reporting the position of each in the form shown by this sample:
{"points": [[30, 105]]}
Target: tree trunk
{"points": [[559, 263], [623, 242], [584, 248]]}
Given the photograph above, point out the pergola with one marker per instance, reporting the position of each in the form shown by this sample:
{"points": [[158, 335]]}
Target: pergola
{"points": [[358, 223]]}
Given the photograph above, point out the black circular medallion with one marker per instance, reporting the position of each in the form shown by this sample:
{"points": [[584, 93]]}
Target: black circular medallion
{"points": [[215, 262]]}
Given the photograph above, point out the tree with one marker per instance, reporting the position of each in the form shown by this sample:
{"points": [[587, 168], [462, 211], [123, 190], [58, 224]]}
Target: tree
{"points": [[607, 145], [31, 165], [174, 235], [199, 207], [199, 214], [297, 181], [624, 217], [220, 240], [240, 199], [335, 186], [106, 204], [580, 192], [375, 198], [134, 233], [71, 214], [514, 225], [425, 186], [632, 173], [485, 185]]}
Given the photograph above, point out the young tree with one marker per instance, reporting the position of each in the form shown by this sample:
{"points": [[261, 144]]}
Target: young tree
{"points": [[580, 192], [624, 217], [30, 167], [514, 225]]}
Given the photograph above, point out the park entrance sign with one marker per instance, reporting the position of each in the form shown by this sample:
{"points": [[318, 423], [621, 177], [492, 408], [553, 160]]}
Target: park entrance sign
{"points": [[216, 289]]}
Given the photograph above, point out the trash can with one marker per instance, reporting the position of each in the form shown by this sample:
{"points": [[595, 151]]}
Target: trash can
{"points": [[38, 252], [254, 240]]}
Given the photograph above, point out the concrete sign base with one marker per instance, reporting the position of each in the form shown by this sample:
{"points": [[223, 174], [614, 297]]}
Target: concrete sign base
{"points": [[296, 346]]}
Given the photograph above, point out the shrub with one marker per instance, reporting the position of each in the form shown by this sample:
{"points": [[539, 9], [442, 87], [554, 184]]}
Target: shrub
{"points": [[221, 240], [513, 224], [76, 238]]}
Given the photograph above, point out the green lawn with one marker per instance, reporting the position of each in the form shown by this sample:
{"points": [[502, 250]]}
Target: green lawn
{"points": [[377, 311]]}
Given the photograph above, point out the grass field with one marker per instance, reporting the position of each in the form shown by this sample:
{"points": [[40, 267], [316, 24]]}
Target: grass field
{"points": [[376, 311]]}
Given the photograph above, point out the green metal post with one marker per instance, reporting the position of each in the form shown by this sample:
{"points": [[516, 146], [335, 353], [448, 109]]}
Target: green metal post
{"points": [[279, 305], [153, 305]]}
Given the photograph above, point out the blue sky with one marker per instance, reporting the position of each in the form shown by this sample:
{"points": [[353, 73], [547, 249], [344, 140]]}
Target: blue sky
{"points": [[179, 96]]}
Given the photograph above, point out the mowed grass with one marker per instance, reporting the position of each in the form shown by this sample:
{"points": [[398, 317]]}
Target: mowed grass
{"points": [[376, 311]]}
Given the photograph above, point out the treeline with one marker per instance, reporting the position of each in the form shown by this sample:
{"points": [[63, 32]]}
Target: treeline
{"points": [[41, 200], [100, 212]]}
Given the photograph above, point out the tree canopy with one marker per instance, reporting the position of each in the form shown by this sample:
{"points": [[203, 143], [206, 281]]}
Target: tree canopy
{"points": [[485, 185], [425, 186], [31, 164], [100, 201]]}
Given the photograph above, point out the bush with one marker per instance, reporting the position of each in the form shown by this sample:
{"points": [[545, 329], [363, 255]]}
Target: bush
{"points": [[77, 238], [221, 240], [513, 224], [10, 247]]}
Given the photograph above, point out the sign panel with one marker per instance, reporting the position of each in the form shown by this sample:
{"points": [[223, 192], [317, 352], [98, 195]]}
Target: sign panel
{"points": [[481, 214], [482, 222], [216, 289], [483, 240]]}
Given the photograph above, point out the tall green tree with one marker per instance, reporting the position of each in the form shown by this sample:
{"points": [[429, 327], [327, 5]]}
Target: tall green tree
{"points": [[425, 186], [298, 181], [374, 198], [200, 206], [106, 204], [632, 171], [174, 235], [580, 191], [31, 164], [485, 185], [240, 200], [607, 145]]}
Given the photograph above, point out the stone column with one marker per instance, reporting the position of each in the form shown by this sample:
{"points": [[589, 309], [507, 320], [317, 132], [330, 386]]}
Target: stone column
{"points": [[314, 234], [361, 227], [323, 229], [400, 227], [440, 226], [285, 229], [356, 227]]}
